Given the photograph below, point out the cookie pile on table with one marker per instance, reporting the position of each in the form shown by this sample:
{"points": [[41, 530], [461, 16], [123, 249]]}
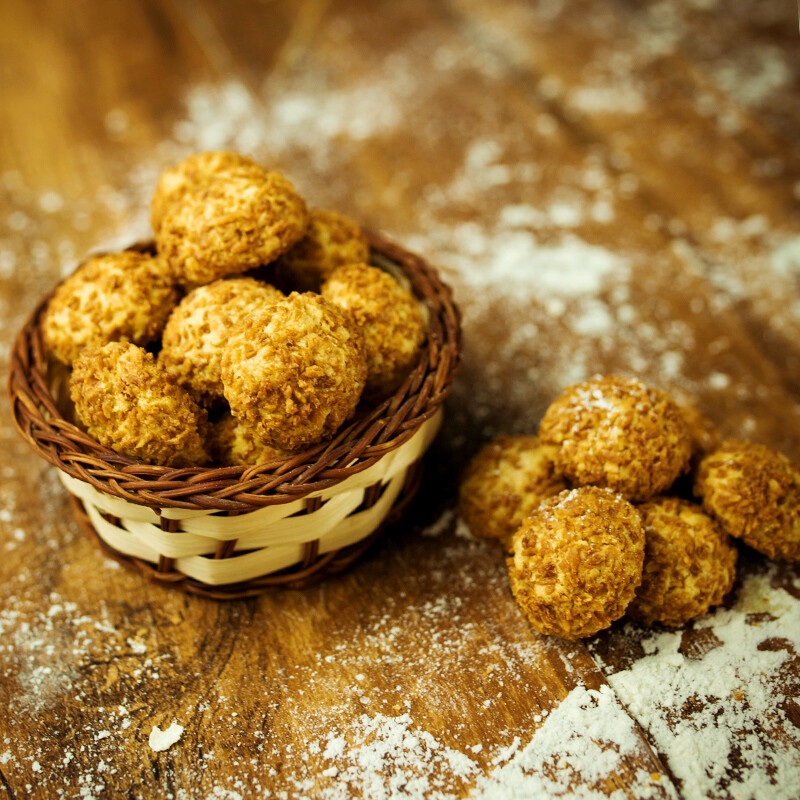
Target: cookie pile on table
{"points": [[252, 333], [625, 503]]}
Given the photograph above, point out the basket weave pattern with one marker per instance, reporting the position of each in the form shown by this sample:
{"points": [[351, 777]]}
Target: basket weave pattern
{"points": [[234, 531]]}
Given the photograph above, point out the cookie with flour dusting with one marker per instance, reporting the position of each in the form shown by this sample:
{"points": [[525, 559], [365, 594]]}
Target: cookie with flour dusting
{"points": [[618, 433], [577, 561]]}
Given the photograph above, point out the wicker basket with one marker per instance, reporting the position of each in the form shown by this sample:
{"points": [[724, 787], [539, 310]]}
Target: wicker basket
{"points": [[235, 531]]}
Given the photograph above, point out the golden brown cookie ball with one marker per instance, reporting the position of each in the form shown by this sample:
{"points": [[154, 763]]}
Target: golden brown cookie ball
{"points": [[619, 433], [577, 561], [232, 444], [504, 483], [176, 182], [230, 224], [754, 493], [294, 370], [124, 297], [388, 315], [198, 330], [130, 403], [331, 240], [689, 563]]}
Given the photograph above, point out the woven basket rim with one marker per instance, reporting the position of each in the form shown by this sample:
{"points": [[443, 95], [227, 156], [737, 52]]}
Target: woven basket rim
{"points": [[236, 489]]}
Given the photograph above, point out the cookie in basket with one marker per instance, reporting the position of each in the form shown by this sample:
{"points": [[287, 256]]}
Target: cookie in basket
{"points": [[125, 297], [233, 444], [389, 317], [229, 224], [198, 329], [195, 170], [294, 370], [127, 401], [331, 240]]}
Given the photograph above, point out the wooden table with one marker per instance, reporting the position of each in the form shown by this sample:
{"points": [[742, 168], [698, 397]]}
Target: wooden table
{"points": [[610, 187]]}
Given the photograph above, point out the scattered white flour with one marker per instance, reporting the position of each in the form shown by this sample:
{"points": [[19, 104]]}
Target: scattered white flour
{"points": [[442, 525], [720, 718], [311, 118], [753, 74], [389, 757], [514, 260], [227, 116], [607, 99], [162, 740], [577, 753], [785, 258], [137, 646]]}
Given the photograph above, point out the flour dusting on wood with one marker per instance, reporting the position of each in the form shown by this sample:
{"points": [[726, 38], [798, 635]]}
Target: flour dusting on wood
{"points": [[564, 254], [724, 714]]}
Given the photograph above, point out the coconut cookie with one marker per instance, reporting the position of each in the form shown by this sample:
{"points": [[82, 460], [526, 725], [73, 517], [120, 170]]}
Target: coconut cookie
{"points": [[233, 444], [230, 224], [331, 240], [577, 562], [389, 317], [294, 371], [504, 483], [689, 563], [198, 330], [199, 168], [123, 297], [754, 493], [618, 433], [130, 403]]}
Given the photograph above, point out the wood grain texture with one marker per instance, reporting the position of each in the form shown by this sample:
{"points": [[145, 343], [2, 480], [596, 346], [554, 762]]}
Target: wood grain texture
{"points": [[621, 127]]}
